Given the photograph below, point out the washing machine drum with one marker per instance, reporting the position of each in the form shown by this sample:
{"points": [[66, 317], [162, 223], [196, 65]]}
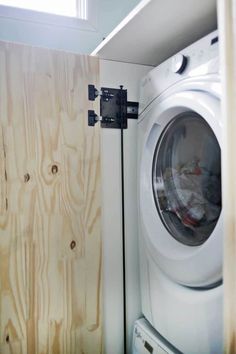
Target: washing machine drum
{"points": [[186, 179], [180, 196]]}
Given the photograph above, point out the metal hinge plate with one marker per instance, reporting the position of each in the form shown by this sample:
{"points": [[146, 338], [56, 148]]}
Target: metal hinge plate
{"points": [[115, 110]]}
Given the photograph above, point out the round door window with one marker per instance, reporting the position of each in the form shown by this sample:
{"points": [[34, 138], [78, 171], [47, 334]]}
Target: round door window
{"points": [[186, 179]]}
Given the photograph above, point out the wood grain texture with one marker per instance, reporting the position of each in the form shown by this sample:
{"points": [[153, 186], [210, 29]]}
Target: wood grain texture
{"points": [[227, 35], [50, 209]]}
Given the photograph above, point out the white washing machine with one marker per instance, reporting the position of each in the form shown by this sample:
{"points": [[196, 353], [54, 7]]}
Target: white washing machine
{"points": [[180, 224]]}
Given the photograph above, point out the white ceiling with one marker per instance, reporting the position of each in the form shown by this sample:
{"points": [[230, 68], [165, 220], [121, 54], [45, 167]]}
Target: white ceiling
{"points": [[157, 29]]}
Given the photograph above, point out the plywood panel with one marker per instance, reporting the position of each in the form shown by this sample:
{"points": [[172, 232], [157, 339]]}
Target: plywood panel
{"points": [[50, 238], [227, 32]]}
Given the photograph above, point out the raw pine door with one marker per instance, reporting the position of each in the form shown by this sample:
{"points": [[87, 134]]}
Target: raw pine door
{"points": [[50, 238]]}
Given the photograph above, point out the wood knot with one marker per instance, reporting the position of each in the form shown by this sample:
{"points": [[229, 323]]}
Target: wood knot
{"points": [[7, 338], [72, 244], [26, 178], [54, 169]]}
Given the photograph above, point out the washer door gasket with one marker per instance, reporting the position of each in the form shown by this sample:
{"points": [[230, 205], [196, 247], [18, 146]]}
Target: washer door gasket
{"points": [[180, 187]]}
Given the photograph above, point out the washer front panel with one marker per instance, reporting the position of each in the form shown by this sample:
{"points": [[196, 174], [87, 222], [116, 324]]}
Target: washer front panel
{"points": [[193, 266]]}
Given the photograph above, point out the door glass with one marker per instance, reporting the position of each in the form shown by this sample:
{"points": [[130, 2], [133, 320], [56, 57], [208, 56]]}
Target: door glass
{"points": [[186, 179]]}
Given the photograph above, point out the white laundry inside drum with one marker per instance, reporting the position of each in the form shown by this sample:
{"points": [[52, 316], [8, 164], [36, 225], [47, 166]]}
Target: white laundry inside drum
{"points": [[186, 179]]}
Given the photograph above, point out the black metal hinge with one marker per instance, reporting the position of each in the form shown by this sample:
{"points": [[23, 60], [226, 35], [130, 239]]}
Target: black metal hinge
{"points": [[115, 110]]}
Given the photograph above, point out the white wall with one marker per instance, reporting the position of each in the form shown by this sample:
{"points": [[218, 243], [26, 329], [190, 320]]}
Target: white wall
{"points": [[110, 13], [113, 74]]}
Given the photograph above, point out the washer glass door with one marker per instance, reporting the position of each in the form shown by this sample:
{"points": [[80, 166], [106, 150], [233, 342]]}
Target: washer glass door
{"points": [[186, 178]]}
